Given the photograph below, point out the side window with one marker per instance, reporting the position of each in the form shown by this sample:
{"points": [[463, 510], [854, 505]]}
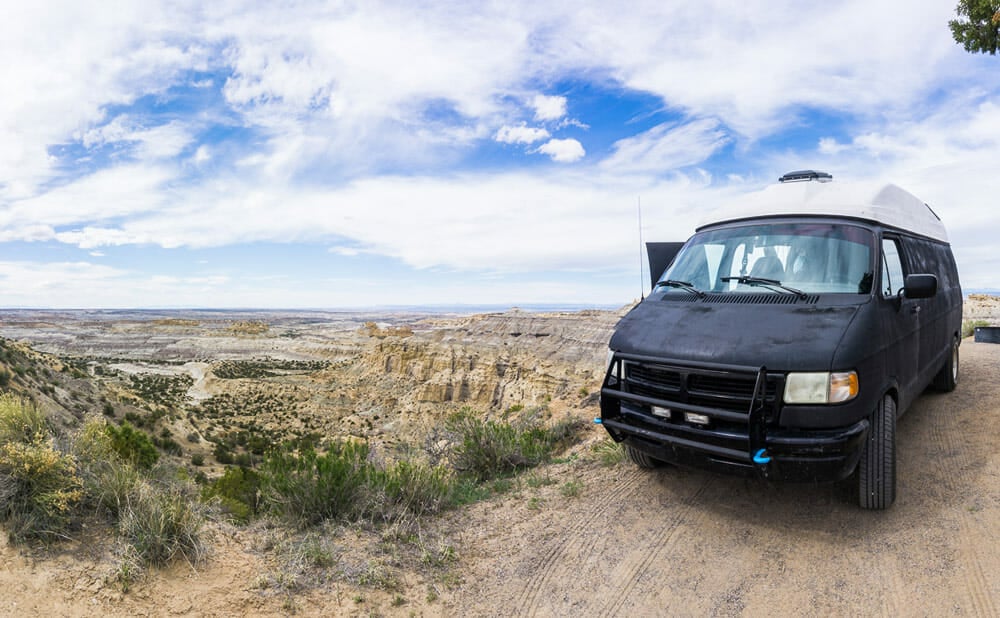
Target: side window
{"points": [[892, 268]]}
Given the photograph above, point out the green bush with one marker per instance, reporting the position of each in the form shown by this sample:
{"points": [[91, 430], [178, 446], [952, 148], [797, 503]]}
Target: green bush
{"points": [[238, 492], [409, 488], [39, 485], [309, 487], [39, 489], [20, 420], [159, 524], [969, 327], [133, 445], [487, 449], [222, 454]]}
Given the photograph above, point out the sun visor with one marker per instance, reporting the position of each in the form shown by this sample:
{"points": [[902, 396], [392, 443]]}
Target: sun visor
{"points": [[660, 255]]}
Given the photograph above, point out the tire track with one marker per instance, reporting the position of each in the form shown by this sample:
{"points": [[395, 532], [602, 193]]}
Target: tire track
{"points": [[571, 538], [976, 582], [664, 538], [944, 428], [888, 578]]}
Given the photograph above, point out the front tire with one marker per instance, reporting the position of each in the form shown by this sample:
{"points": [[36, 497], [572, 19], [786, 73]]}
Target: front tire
{"points": [[947, 378], [877, 468], [640, 458]]}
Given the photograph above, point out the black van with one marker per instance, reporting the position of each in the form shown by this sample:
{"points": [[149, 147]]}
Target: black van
{"points": [[785, 337]]}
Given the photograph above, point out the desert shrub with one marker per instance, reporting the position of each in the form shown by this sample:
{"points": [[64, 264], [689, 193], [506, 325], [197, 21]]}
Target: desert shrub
{"points": [[238, 493], [408, 488], [169, 445], [133, 445], [39, 488], [222, 454], [20, 420], [161, 523], [969, 327], [5, 377], [487, 449], [309, 487], [609, 452], [197, 459]]}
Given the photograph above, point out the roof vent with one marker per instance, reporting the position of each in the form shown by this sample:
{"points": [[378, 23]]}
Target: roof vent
{"points": [[806, 175]]}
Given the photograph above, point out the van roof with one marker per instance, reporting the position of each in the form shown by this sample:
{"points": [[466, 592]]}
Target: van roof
{"points": [[882, 203]]}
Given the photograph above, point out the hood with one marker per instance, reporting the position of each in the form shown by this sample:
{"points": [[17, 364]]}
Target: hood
{"points": [[802, 337]]}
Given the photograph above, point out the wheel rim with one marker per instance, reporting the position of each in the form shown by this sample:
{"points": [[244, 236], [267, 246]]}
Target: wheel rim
{"points": [[954, 363]]}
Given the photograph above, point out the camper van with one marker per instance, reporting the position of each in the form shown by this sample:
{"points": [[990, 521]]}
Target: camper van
{"points": [[787, 336]]}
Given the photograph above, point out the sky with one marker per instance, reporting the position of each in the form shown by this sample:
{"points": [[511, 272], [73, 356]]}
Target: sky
{"points": [[288, 154]]}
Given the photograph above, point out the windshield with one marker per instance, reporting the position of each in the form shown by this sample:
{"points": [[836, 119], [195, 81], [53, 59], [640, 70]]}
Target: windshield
{"points": [[816, 258]]}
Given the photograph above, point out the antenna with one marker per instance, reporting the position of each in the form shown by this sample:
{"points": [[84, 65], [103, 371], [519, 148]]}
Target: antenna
{"points": [[642, 282]]}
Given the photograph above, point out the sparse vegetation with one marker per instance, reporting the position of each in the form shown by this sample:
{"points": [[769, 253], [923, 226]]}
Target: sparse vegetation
{"points": [[571, 489], [165, 390], [176, 322], [39, 485], [114, 470], [133, 445], [249, 327], [969, 327], [344, 484], [256, 369], [609, 452], [44, 488], [487, 449]]}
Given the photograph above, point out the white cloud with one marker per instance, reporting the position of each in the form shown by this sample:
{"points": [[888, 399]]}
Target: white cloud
{"points": [[108, 194], [72, 61], [667, 147], [159, 142], [830, 146], [345, 251], [520, 134], [563, 150], [548, 107], [203, 154]]}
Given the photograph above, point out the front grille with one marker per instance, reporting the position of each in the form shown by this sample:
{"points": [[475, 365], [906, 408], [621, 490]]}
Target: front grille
{"points": [[728, 391]]}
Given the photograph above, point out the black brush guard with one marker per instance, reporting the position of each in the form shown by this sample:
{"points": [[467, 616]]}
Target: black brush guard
{"points": [[744, 435]]}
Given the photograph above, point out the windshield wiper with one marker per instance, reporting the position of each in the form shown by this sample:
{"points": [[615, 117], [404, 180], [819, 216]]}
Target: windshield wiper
{"points": [[774, 283], [684, 285]]}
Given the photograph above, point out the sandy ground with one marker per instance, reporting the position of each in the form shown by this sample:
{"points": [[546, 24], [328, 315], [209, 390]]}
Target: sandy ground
{"points": [[641, 543], [685, 543]]}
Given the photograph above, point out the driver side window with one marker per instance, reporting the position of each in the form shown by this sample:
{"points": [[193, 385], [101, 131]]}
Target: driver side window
{"points": [[892, 268]]}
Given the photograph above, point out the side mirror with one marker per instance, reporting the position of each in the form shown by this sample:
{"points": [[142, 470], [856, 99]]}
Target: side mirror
{"points": [[920, 286]]}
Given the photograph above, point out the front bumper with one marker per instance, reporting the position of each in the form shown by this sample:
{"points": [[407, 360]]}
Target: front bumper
{"points": [[719, 417], [795, 456]]}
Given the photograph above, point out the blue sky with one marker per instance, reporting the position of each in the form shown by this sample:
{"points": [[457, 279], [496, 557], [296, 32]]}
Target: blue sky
{"points": [[325, 155]]}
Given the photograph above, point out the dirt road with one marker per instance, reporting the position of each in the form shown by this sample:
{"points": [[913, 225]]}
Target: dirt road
{"points": [[677, 542]]}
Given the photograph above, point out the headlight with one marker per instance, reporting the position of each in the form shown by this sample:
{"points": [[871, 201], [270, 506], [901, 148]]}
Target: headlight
{"points": [[821, 387], [611, 357]]}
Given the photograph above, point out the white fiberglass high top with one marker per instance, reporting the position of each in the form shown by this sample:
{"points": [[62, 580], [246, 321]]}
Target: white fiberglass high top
{"points": [[813, 193]]}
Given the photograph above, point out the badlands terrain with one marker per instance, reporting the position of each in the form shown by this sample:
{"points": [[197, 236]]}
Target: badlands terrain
{"points": [[585, 534]]}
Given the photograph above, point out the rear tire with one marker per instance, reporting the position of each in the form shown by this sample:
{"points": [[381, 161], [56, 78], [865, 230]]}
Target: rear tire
{"points": [[877, 468], [639, 458], [947, 378]]}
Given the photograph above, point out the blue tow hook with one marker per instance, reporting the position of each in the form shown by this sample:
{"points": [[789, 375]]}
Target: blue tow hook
{"points": [[597, 420], [761, 457]]}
